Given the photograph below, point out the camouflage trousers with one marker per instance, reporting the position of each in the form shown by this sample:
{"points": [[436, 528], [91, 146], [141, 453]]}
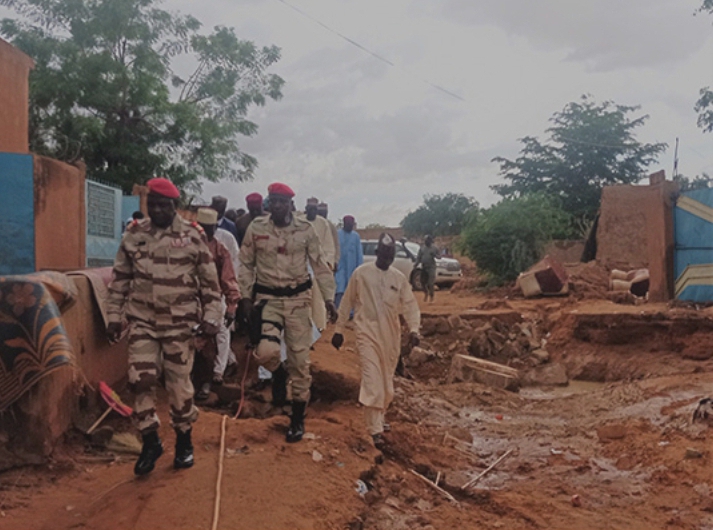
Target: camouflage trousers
{"points": [[291, 316], [149, 356]]}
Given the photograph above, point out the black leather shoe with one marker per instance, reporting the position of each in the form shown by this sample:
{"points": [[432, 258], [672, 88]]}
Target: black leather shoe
{"points": [[184, 450], [279, 386], [150, 452], [297, 422]]}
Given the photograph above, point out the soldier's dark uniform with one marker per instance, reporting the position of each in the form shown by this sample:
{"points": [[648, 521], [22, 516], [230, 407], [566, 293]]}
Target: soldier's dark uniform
{"points": [[166, 282]]}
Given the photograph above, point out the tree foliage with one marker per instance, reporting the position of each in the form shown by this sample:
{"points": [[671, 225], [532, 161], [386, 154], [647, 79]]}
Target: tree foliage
{"points": [[507, 238], [589, 145], [704, 105], [439, 215], [107, 89], [698, 182]]}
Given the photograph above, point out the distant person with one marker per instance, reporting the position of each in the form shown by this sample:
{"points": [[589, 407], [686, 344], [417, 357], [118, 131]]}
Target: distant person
{"points": [[427, 256], [254, 204], [351, 255], [324, 233], [220, 205], [136, 216], [323, 211], [378, 294], [233, 215], [165, 282]]}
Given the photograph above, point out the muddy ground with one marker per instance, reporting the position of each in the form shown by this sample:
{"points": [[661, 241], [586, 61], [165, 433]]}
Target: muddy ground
{"points": [[615, 448]]}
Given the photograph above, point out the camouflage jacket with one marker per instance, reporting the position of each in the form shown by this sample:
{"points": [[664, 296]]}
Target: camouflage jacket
{"points": [[277, 257], [164, 280]]}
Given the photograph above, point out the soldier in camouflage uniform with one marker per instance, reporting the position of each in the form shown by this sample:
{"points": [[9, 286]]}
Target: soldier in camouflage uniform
{"points": [[166, 283], [273, 267]]}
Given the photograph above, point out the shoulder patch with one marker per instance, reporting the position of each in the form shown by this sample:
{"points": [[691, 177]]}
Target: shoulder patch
{"points": [[198, 227]]}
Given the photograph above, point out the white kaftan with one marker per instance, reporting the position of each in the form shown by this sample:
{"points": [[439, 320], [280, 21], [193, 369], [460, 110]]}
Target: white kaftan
{"points": [[378, 298]]}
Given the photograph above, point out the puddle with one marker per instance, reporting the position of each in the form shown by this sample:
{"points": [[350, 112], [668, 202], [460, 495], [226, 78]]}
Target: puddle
{"points": [[574, 387]]}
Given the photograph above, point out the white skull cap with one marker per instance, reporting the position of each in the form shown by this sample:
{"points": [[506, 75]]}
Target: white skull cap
{"points": [[386, 239]]}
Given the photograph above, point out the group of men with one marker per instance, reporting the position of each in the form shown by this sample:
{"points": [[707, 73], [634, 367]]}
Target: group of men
{"points": [[179, 283]]}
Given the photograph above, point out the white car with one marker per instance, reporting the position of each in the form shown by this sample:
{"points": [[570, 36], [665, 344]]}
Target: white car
{"points": [[448, 270]]}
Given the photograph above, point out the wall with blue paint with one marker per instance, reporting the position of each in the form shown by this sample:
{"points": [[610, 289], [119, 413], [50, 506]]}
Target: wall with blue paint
{"points": [[17, 214]]}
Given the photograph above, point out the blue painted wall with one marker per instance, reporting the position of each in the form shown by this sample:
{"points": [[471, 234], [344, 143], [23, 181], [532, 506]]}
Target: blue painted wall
{"points": [[17, 214]]}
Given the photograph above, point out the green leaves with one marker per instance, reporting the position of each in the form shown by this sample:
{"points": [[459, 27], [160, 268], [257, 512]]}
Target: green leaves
{"points": [[439, 215], [104, 89], [508, 237], [589, 146]]}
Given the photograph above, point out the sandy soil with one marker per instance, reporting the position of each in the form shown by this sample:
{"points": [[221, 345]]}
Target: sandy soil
{"points": [[622, 441]]}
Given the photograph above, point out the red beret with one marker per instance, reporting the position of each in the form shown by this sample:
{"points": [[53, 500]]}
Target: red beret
{"points": [[278, 188], [163, 187], [254, 198]]}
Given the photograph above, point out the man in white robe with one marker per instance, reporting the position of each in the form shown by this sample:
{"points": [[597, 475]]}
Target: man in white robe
{"points": [[378, 294]]}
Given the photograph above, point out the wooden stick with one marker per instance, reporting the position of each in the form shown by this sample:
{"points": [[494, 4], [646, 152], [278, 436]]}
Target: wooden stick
{"points": [[216, 507], [91, 429], [487, 470], [438, 478], [435, 487]]}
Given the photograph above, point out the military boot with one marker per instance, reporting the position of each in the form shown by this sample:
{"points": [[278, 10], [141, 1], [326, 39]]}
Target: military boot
{"points": [[184, 450], [150, 452], [297, 422], [279, 386]]}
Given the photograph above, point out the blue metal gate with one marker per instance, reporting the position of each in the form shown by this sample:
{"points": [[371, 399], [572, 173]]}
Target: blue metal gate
{"points": [[693, 261], [17, 214]]}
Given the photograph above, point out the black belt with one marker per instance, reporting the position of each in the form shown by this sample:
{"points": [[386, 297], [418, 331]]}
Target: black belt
{"points": [[282, 291]]}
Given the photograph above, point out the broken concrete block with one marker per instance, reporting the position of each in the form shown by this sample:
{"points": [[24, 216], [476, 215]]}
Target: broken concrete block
{"points": [[442, 326], [455, 322], [465, 368], [418, 356], [546, 277], [611, 432], [547, 375], [541, 355]]}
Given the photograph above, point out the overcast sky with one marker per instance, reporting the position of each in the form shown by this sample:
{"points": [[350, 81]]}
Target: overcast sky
{"points": [[371, 139]]}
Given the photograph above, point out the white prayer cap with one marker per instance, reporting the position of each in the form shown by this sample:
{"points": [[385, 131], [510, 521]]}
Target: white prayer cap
{"points": [[387, 240]]}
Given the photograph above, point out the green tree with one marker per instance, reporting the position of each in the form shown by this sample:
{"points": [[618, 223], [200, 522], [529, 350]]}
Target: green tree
{"points": [[106, 89], [589, 146], [439, 215], [696, 183], [704, 105], [507, 238]]}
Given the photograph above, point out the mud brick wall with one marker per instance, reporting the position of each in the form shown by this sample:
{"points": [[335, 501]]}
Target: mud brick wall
{"points": [[636, 230], [60, 216], [15, 69], [565, 250]]}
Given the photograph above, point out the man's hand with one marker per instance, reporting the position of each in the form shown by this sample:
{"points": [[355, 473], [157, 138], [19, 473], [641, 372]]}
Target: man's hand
{"points": [[245, 307], [229, 319], [332, 313], [337, 340], [413, 339], [208, 328], [113, 331]]}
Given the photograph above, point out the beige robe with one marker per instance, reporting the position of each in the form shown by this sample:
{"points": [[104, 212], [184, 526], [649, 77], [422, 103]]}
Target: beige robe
{"points": [[378, 298]]}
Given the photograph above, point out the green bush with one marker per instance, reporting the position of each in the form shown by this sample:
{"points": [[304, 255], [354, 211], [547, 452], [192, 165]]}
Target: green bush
{"points": [[508, 237]]}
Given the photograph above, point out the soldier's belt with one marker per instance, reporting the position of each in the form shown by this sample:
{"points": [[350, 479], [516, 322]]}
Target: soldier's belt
{"points": [[282, 291]]}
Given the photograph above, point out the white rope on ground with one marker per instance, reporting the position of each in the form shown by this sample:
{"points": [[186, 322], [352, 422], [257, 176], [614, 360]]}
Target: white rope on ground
{"points": [[216, 507]]}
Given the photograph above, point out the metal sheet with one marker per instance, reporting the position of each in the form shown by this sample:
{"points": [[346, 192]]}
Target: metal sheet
{"points": [[17, 214]]}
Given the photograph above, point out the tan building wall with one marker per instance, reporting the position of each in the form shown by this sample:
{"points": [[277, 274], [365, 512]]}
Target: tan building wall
{"points": [[636, 230], [15, 69], [60, 215]]}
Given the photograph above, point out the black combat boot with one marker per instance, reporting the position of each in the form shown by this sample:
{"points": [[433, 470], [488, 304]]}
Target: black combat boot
{"points": [[184, 450], [150, 452], [279, 386], [297, 422]]}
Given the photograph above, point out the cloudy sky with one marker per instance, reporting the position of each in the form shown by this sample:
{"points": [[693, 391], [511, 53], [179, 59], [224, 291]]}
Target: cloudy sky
{"points": [[371, 139]]}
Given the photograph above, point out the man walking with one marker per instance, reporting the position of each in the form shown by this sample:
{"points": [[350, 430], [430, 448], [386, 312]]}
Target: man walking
{"points": [[208, 219], [254, 204], [321, 227], [220, 205], [378, 294], [351, 257], [427, 256], [323, 212], [165, 280], [273, 268]]}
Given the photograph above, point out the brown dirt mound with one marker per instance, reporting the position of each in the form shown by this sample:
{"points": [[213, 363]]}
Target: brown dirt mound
{"points": [[588, 280]]}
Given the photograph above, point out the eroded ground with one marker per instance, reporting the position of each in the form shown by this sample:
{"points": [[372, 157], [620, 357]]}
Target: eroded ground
{"points": [[620, 438]]}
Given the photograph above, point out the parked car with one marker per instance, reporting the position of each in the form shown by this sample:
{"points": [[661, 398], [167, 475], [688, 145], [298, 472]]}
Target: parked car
{"points": [[448, 270]]}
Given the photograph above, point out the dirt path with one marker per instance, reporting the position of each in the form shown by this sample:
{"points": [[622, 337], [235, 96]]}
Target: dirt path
{"points": [[626, 448]]}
